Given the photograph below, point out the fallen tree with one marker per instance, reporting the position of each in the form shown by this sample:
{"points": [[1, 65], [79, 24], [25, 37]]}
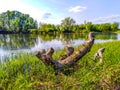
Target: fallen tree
{"points": [[69, 58]]}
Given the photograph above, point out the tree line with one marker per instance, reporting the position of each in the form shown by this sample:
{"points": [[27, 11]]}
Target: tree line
{"points": [[69, 25], [17, 22]]}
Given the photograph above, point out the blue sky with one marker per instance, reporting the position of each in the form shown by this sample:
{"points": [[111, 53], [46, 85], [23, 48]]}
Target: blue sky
{"points": [[53, 11]]}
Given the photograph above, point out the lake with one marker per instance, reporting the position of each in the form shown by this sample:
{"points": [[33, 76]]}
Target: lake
{"points": [[12, 44]]}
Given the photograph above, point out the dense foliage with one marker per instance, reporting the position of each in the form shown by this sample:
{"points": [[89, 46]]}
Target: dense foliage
{"points": [[69, 25], [16, 22], [29, 73]]}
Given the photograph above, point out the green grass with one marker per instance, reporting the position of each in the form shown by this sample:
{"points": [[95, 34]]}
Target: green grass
{"points": [[29, 73], [118, 31]]}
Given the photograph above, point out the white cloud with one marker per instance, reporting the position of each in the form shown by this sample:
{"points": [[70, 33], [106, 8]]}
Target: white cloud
{"points": [[39, 14], [18, 5], [77, 9], [105, 19], [47, 15]]}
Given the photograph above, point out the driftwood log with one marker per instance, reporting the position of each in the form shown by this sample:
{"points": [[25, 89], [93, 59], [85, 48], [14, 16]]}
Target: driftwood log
{"points": [[69, 58], [98, 54]]}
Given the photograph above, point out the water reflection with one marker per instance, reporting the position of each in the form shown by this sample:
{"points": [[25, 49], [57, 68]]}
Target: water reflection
{"points": [[106, 36], [12, 44], [15, 41]]}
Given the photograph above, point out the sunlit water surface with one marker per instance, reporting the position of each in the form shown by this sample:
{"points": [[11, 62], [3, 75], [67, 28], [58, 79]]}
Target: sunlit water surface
{"points": [[12, 44]]}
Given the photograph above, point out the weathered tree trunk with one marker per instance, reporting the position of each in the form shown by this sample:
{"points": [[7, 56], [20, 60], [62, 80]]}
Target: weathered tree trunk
{"points": [[99, 54], [70, 58]]}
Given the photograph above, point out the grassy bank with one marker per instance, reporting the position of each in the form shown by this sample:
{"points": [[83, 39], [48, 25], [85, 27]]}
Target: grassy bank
{"points": [[118, 31], [29, 73]]}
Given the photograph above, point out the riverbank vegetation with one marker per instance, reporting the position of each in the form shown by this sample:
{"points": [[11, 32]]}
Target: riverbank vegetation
{"points": [[17, 22], [29, 73]]}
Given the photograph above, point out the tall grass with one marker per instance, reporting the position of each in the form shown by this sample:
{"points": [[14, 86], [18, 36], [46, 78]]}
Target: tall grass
{"points": [[28, 73]]}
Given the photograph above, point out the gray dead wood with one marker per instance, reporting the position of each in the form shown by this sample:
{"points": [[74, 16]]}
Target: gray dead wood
{"points": [[70, 58], [99, 54]]}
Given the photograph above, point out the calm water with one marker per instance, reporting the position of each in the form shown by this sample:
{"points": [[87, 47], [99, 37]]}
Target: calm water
{"points": [[12, 44]]}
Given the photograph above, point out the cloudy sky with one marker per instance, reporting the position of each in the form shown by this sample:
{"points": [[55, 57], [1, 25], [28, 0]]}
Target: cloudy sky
{"points": [[53, 11]]}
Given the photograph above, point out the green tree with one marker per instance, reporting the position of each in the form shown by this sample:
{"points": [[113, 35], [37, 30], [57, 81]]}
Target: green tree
{"points": [[82, 26], [76, 28], [88, 26], [106, 27], [1, 25], [15, 21], [114, 26], [67, 24], [44, 27]]}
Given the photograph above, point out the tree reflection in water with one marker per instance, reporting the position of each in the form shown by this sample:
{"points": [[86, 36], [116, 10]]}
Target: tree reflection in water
{"points": [[11, 44]]}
